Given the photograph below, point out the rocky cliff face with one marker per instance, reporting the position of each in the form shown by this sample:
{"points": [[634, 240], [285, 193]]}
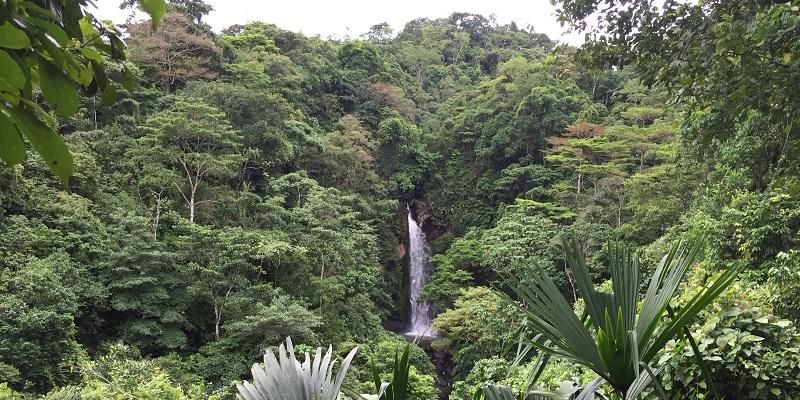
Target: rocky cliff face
{"points": [[400, 250], [427, 220]]}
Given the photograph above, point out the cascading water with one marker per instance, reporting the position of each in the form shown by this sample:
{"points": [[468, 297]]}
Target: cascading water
{"points": [[420, 273]]}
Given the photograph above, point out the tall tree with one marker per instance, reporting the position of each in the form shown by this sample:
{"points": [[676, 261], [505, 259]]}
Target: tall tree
{"points": [[37, 327], [347, 159], [195, 9], [724, 59], [222, 263], [147, 289], [197, 143], [177, 53]]}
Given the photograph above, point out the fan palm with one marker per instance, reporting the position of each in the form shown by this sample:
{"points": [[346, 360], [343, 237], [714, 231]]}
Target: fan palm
{"points": [[623, 335], [285, 378]]}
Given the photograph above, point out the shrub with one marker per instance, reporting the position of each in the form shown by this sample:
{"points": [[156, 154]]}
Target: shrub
{"points": [[751, 353]]}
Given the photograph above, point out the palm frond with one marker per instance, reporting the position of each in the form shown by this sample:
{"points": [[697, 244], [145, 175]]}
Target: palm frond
{"points": [[664, 284], [588, 392], [583, 280], [693, 307], [285, 378], [620, 337], [552, 315]]}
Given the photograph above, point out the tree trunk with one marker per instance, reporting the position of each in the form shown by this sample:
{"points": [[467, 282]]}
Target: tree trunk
{"points": [[217, 319], [157, 216], [192, 204], [193, 184], [322, 276]]}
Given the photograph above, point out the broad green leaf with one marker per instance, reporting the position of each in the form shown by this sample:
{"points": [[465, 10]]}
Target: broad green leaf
{"points": [[57, 53], [77, 71], [10, 71], [128, 79], [9, 98], [8, 88], [91, 54], [87, 28], [117, 47], [52, 30], [783, 323], [46, 142], [57, 89], [12, 37], [85, 75], [12, 148], [156, 9], [108, 95]]}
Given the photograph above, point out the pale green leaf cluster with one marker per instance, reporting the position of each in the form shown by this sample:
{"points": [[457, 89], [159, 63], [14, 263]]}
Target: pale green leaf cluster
{"points": [[285, 378]]}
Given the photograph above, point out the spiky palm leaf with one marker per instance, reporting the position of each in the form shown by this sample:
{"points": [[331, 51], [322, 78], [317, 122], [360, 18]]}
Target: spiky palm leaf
{"points": [[397, 389], [623, 335], [285, 378], [566, 392]]}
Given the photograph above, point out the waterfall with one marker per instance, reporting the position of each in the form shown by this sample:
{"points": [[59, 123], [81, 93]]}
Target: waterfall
{"points": [[420, 273]]}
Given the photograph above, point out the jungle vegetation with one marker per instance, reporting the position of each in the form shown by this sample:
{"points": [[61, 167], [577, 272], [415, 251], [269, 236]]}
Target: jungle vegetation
{"points": [[177, 202]]}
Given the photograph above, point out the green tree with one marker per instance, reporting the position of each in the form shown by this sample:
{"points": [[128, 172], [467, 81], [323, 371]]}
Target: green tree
{"points": [[343, 255], [347, 159], [196, 143], [360, 56], [265, 324], [401, 157], [479, 325], [657, 199], [121, 373], [146, 285], [221, 260], [519, 244], [37, 325], [718, 58]]}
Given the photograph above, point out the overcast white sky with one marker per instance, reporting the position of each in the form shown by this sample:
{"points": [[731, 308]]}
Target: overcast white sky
{"points": [[343, 18]]}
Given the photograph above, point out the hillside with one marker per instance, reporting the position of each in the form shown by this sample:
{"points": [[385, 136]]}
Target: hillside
{"points": [[254, 184]]}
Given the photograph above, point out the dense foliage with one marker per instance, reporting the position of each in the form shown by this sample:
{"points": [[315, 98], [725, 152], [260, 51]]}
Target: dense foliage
{"points": [[249, 185]]}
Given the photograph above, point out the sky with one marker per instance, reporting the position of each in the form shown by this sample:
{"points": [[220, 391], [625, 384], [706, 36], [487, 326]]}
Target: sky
{"points": [[351, 18]]}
